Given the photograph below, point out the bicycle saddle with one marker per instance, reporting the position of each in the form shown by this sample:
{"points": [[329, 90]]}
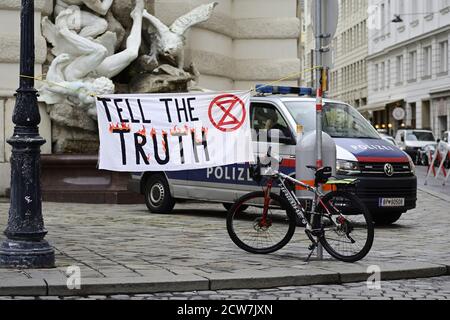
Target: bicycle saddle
{"points": [[322, 174]]}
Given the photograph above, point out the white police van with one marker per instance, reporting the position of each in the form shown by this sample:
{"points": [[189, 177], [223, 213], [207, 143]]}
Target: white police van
{"points": [[387, 182]]}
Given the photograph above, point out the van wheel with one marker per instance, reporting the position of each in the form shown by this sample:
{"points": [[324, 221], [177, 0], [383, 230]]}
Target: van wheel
{"points": [[157, 195], [386, 218]]}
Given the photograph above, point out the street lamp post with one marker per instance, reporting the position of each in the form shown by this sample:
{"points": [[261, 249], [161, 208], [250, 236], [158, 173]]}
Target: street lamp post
{"points": [[25, 246]]}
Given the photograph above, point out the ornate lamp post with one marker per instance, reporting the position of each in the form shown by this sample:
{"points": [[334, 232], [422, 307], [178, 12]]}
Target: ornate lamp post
{"points": [[25, 246]]}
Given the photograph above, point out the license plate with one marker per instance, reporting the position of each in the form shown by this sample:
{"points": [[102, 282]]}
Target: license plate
{"points": [[392, 202]]}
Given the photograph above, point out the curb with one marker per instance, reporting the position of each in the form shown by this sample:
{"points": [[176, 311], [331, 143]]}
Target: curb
{"points": [[218, 281], [28, 287], [434, 193]]}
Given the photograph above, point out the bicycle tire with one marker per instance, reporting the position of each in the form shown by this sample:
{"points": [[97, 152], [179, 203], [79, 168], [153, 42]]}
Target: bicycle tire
{"points": [[357, 209], [284, 213]]}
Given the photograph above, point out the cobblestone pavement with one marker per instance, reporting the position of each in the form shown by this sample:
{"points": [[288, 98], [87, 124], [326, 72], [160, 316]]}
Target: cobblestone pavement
{"points": [[128, 241], [415, 289]]}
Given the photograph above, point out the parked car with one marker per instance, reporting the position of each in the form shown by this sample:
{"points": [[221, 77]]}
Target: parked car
{"points": [[387, 182], [411, 140]]}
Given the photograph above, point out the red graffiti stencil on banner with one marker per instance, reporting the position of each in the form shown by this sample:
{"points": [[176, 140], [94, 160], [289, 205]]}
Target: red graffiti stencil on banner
{"points": [[233, 112]]}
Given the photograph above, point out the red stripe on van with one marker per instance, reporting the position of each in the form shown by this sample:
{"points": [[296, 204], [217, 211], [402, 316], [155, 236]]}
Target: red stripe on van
{"points": [[382, 159], [288, 163]]}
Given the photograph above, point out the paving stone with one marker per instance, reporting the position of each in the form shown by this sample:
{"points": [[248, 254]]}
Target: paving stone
{"points": [[192, 242]]}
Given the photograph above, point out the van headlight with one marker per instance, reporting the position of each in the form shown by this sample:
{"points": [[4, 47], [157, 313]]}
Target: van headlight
{"points": [[347, 167], [412, 165]]}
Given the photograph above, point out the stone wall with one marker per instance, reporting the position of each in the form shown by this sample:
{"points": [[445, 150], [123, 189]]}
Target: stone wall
{"points": [[9, 79], [244, 42]]}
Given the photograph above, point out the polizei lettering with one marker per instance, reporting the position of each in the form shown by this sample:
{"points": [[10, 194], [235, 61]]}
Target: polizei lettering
{"points": [[371, 147], [229, 173]]}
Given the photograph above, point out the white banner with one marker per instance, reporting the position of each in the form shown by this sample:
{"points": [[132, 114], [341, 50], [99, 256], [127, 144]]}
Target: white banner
{"points": [[168, 132]]}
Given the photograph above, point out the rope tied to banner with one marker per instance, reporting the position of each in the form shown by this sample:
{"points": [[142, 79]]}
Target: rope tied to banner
{"points": [[40, 79], [93, 94], [290, 76]]}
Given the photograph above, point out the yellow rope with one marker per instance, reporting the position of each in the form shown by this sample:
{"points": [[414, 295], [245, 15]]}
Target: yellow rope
{"points": [[39, 78], [293, 75]]}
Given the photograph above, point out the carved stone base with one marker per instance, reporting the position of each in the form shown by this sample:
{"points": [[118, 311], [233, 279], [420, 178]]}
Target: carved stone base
{"points": [[73, 141], [75, 178], [26, 254]]}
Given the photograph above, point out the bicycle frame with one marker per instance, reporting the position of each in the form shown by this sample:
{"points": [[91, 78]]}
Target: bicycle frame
{"points": [[292, 198]]}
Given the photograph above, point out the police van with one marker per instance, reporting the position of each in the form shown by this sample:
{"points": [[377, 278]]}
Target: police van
{"points": [[386, 175]]}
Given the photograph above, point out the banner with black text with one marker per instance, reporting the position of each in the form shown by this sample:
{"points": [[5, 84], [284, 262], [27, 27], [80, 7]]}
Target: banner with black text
{"points": [[175, 131]]}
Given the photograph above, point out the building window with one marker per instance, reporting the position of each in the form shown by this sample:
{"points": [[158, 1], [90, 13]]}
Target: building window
{"points": [[401, 6], [443, 57], [427, 61], [389, 18], [383, 75], [412, 65], [388, 74], [399, 69], [383, 16], [415, 6], [376, 77]]}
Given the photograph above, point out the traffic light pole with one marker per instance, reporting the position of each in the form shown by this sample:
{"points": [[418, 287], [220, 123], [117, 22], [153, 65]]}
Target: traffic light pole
{"points": [[319, 94]]}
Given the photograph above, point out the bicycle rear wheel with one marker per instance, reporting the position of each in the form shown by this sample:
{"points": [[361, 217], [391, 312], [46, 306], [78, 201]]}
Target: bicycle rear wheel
{"points": [[252, 232], [352, 238]]}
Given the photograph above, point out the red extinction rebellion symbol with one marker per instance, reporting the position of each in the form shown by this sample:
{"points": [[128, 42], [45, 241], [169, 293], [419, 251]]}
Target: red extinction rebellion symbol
{"points": [[231, 115]]}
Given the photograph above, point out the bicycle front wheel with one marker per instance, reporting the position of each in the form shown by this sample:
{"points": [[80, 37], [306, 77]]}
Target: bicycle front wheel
{"points": [[348, 228], [260, 225]]}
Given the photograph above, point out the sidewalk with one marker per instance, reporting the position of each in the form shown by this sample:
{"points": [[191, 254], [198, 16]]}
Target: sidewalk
{"points": [[125, 249], [433, 185]]}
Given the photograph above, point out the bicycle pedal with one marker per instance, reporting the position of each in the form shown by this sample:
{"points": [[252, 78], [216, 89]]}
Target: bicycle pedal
{"points": [[312, 247]]}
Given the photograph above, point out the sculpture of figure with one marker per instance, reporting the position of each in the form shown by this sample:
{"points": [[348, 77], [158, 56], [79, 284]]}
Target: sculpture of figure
{"points": [[83, 65], [170, 40], [86, 23], [99, 6], [78, 92]]}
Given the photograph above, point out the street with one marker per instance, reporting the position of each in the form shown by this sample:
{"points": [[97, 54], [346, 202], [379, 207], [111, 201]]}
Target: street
{"points": [[413, 289], [127, 242]]}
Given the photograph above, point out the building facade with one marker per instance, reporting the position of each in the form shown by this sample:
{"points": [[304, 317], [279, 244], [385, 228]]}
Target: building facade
{"points": [[408, 64], [348, 76], [245, 42]]}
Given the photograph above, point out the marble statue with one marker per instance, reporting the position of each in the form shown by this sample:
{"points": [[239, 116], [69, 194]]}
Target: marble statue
{"points": [[88, 48], [170, 40], [98, 6], [84, 66], [86, 23]]}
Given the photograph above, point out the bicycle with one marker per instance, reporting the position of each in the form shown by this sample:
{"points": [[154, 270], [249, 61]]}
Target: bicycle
{"points": [[340, 220]]}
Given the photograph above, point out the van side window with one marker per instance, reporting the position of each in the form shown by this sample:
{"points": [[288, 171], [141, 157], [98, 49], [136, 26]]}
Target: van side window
{"points": [[266, 117]]}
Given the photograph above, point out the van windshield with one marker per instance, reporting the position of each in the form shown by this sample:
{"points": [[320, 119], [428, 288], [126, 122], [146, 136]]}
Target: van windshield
{"points": [[339, 120], [419, 136]]}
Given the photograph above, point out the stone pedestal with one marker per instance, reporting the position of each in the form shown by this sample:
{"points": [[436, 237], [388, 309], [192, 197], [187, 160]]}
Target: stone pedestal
{"points": [[75, 178]]}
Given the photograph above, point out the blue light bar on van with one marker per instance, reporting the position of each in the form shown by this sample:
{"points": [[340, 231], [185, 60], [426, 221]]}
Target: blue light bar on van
{"points": [[301, 91]]}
